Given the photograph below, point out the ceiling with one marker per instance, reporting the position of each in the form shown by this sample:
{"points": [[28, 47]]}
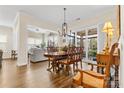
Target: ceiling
{"points": [[51, 13], [38, 30]]}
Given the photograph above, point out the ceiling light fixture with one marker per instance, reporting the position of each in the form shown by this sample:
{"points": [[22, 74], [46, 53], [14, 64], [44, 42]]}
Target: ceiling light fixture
{"points": [[64, 26]]}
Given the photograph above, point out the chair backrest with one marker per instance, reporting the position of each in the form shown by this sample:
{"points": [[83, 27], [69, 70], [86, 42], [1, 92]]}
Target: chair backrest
{"points": [[51, 49], [106, 59], [71, 54], [13, 52], [74, 54], [78, 53], [114, 46]]}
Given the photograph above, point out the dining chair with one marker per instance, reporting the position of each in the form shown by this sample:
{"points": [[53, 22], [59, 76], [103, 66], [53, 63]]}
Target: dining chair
{"points": [[70, 60], [50, 59], [13, 54], [78, 56], [93, 79]]}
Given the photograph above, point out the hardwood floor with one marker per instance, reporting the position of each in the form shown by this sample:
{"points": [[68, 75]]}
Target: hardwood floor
{"points": [[31, 76], [35, 75]]}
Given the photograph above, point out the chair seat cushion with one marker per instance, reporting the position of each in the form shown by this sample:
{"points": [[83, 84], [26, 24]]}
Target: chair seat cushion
{"points": [[65, 61], [89, 80], [95, 73], [77, 78], [51, 58], [59, 58]]}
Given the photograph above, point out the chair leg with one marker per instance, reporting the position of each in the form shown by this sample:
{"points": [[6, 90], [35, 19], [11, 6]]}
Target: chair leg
{"points": [[49, 63], [116, 77], [58, 67], [77, 65], [109, 83], [67, 69], [62, 66], [53, 65], [98, 69], [74, 67], [102, 70], [81, 64]]}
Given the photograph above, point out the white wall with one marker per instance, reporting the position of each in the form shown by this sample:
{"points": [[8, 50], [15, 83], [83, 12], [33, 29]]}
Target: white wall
{"points": [[8, 32]]}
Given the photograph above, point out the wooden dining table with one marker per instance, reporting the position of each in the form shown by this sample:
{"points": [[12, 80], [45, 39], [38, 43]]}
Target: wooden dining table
{"points": [[56, 56]]}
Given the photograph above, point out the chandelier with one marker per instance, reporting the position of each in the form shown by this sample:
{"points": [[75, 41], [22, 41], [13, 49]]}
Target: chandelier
{"points": [[64, 26]]}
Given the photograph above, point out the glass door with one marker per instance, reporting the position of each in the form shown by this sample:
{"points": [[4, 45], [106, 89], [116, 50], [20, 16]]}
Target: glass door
{"points": [[92, 44]]}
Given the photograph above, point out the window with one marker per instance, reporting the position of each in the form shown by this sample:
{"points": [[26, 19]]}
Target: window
{"points": [[34, 41], [71, 39], [78, 41], [92, 44], [92, 48], [52, 40], [81, 41], [3, 38], [89, 42], [37, 41], [30, 41], [3, 42]]}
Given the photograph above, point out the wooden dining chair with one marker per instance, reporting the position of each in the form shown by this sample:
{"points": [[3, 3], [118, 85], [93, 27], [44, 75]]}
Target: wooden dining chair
{"points": [[78, 56], [50, 59], [13, 54], [70, 60], [93, 79]]}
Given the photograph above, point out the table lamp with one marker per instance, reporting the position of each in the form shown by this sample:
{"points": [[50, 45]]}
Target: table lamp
{"points": [[108, 30], [110, 36]]}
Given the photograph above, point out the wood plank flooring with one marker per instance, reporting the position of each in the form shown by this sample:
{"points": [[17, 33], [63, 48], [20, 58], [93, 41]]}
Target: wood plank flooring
{"points": [[31, 76], [35, 75]]}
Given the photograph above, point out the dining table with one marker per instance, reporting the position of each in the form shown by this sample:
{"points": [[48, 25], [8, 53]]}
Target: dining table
{"points": [[55, 56]]}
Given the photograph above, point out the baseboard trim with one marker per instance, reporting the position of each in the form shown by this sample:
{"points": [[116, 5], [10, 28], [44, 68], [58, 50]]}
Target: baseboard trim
{"points": [[6, 58], [20, 65], [38, 61]]}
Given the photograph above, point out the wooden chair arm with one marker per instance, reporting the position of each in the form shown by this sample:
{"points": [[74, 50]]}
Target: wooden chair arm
{"points": [[79, 70], [99, 65], [99, 76]]}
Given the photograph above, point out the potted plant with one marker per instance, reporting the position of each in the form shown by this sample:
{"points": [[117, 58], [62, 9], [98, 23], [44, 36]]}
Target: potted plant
{"points": [[92, 53], [65, 48]]}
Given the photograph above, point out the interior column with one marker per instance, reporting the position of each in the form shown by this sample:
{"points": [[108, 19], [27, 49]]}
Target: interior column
{"points": [[86, 44], [76, 39], [22, 47]]}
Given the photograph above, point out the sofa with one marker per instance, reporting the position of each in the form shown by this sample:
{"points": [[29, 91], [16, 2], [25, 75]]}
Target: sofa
{"points": [[37, 55]]}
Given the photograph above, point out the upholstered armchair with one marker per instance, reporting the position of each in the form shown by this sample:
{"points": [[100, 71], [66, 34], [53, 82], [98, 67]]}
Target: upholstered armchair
{"points": [[94, 79]]}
